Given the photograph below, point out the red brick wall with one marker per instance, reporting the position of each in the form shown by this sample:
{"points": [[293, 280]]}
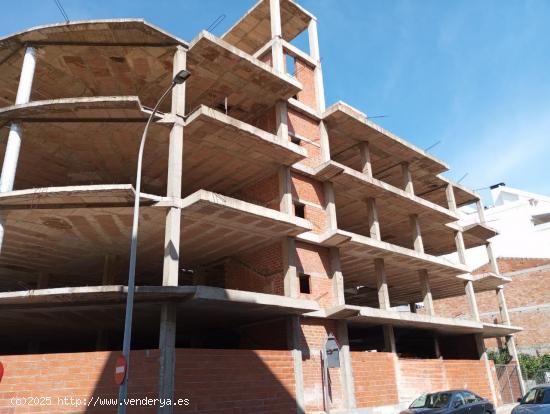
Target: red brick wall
{"points": [[304, 73], [308, 128], [315, 261], [77, 375], [525, 290], [374, 378], [314, 334], [266, 121], [221, 381], [306, 189], [511, 264], [213, 380], [264, 192], [418, 376], [260, 270]]}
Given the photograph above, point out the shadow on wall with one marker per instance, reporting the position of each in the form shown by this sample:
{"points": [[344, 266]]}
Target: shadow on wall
{"points": [[206, 381]]}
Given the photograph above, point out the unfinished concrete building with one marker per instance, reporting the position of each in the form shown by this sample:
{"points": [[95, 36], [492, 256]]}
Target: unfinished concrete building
{"points": [[268, 222]]}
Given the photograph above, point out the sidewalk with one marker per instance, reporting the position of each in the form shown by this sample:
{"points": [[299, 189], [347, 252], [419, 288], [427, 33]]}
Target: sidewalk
{"points": [[506, 409]]}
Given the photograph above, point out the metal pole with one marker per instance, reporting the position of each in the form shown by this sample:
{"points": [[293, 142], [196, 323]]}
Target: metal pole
{"points": [[123, 390], [14, 139]]}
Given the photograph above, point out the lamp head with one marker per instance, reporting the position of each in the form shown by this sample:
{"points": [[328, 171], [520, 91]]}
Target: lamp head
{"points": [[181, 77]]}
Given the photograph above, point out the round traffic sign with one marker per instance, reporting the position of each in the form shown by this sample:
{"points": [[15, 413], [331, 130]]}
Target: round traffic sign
{"points": [[120, 369]]}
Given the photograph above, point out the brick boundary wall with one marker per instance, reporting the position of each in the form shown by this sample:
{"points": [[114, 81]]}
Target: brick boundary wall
{"points": [[213, 380], [380, 378], [374, 378]]}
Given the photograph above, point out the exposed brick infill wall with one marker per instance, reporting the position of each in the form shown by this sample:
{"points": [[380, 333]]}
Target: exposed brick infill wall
{"points": [[417, 376], [376, 383], [213, 380], [527, 298], [314, 334], [374, 378]]}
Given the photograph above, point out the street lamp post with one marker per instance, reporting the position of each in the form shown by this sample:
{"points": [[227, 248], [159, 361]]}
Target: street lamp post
{"points": [[180, 78]]}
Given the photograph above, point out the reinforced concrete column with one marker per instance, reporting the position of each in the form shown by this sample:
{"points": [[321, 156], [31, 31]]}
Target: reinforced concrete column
{"points": [[330, 206], [423, 276], [461, 252], [407, 178], [510, 341], [426, 292], [472, 302], [366, 164], [381, 278], [337, 277], [511, 345], [346, 370], [480, 344], [170, 271], [324, 142], [317, 72], [294, 334], [13, 146], [503, 308], [276, 35], [384, 303], [374, 223]]}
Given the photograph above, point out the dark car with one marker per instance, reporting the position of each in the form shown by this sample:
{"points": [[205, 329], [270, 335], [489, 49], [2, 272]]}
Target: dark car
{"points": [[535, 401], [451, 402]]}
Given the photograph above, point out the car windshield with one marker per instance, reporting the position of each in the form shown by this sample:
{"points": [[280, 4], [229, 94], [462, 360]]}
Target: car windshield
{"points": [[435, 400], [537, 396]]}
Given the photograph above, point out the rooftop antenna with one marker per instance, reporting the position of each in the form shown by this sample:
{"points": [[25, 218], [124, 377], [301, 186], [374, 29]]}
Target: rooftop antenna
{"points": [[462, 178], [62, 10], [377, 116], [216, 22], [433, 145]]}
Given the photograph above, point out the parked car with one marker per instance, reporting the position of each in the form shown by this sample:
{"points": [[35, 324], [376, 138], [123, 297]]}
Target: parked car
{"points": [[535, 401], [451, 402]]}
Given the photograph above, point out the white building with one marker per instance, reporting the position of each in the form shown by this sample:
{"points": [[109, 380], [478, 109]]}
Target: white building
{"points": [[522, 220]]}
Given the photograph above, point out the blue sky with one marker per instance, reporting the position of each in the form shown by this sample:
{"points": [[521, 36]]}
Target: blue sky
{"points": [[474, 75]]}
